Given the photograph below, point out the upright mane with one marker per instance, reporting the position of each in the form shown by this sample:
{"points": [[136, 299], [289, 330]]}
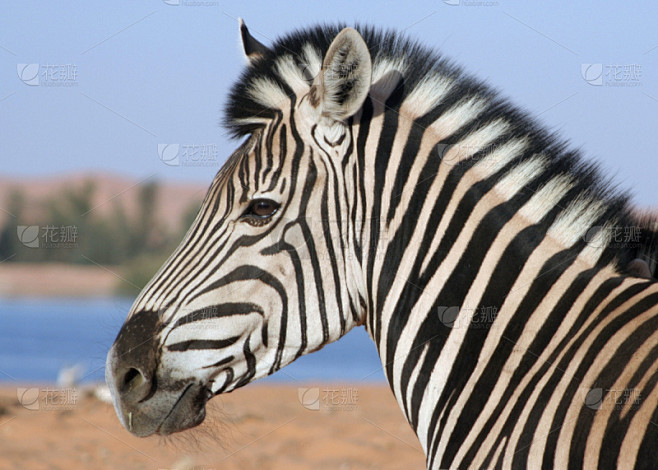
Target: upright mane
{"points": [[290, 64]]}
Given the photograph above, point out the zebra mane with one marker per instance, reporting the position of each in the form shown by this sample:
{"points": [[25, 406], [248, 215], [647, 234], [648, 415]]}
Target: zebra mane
{"points": [[294, 60], [289, 66]]}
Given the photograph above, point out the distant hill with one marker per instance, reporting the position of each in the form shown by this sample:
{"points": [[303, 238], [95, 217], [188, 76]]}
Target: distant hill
{"points": [[174, 199], [124, 230]]}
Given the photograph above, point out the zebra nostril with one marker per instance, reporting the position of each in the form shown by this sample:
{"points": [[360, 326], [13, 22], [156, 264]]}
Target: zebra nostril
{"points": [[131, 362], [132, 380]]}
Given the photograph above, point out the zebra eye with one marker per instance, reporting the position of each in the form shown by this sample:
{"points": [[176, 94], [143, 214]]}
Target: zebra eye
{"points": [[262, 208]]}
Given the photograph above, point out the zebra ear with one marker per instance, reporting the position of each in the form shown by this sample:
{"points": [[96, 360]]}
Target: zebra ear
{"points": [[343, 84], [253, 48]]}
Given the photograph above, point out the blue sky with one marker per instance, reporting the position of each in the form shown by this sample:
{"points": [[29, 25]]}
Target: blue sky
{"points": [[116, 79]]}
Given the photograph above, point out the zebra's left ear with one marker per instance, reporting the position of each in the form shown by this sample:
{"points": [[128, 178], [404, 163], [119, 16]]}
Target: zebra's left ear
{"points": [[253, 48], [343, 84]]}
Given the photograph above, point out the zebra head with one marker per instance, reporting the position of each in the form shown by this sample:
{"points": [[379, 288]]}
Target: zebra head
{"points": [[269, 270]]}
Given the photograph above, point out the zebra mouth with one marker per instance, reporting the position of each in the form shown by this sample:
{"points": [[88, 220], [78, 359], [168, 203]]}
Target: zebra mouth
{"points": [[187, 412]]}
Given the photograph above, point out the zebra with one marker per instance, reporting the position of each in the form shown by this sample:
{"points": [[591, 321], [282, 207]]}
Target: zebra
{"points": [[378, 184]]}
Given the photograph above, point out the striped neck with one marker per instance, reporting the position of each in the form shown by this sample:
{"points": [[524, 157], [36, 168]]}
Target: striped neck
{"points": [[485, 258]]}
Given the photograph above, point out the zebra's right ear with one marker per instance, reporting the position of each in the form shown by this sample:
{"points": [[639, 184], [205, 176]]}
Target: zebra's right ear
{"points": [[253, 48], [343, 84]]}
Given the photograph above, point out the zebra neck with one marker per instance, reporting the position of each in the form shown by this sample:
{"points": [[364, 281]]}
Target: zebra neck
{"points": [[469, 255]]}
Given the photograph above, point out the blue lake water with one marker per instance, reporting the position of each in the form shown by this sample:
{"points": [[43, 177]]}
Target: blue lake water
{"points": [[38, 337]]}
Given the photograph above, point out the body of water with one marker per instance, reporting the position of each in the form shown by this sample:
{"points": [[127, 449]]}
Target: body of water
{"points": [[38, 337]]}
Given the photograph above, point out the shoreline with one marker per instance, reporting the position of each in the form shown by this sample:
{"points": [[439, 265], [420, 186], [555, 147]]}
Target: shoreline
{"points": [[44, 280]]}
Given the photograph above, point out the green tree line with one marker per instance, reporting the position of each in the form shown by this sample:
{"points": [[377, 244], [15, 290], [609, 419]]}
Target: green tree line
{"points": [[71, 230]]}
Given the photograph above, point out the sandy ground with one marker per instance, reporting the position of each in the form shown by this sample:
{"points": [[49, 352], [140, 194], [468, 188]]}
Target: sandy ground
{"points": [[343, 427]]}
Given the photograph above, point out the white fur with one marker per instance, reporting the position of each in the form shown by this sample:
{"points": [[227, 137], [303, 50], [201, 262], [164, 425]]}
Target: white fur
{"points": [[574, 222], [291, 73], [267, 93], [427, 94]]}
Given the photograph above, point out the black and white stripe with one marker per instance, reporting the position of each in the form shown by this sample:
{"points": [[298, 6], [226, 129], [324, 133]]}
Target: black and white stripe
{"points": [[407, 191]]}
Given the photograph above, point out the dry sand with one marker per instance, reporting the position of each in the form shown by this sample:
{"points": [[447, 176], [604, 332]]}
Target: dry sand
{"points": [[257, 427]]}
